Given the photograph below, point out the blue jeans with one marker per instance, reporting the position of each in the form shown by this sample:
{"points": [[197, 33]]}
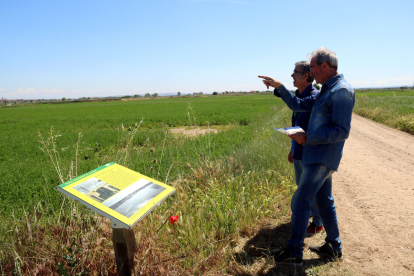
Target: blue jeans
{"points": [[315, 184], [313, 211]]}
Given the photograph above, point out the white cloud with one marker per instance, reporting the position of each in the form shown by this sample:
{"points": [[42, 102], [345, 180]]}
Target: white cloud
{"points": [[375, 82], [2, 89]]}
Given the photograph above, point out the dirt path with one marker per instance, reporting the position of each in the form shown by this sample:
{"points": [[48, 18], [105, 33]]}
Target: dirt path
{"points": [[374, 195]]}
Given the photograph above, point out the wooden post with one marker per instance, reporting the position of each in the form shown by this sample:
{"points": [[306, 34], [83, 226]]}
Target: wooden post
{"points": [[124, 247]]}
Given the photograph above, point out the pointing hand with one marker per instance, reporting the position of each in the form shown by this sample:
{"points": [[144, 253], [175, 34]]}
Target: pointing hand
{"points": [[268, 81]]}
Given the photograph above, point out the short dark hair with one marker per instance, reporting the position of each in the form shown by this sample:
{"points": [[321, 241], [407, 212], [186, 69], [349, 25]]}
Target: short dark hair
{"points": [[305, 68]]}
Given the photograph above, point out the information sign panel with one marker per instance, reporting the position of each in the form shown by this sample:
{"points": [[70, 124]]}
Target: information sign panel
{"points": [[118, 193]]}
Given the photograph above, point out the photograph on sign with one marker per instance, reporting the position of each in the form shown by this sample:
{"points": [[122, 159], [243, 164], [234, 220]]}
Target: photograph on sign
{"points": [[131, 199]]}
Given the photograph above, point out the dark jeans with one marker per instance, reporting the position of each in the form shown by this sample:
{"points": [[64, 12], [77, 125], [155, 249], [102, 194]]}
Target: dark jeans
{"points": [[313, 211], [315, 184]]}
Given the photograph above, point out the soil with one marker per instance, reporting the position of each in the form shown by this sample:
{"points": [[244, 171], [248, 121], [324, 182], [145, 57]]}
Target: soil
{"points": [[191, 132], [374, 196]]}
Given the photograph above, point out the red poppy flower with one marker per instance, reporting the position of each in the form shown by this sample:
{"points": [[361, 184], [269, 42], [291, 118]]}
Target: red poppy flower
{"points": [[173, 219]]}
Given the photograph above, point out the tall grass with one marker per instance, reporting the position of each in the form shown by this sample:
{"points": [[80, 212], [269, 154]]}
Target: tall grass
{"points": [[221, 190], [395, 109]]}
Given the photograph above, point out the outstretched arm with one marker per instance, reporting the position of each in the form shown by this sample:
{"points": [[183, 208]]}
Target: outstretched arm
{"points": [[293, 102]]}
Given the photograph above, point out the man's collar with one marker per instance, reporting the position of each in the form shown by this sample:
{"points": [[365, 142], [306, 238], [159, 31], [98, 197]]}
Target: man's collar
{"points": [[305, 92], [334, 80]]}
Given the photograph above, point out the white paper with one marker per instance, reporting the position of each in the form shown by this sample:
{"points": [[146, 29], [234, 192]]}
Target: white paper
{"points": [[290, 130]]}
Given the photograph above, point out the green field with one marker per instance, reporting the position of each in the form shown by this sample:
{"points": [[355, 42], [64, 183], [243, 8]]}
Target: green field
{"points": [[224, 181], [394, 108], [26, 170]]}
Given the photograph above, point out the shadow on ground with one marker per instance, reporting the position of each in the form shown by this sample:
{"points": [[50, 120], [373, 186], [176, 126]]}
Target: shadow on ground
{"points": [[255, 257]]}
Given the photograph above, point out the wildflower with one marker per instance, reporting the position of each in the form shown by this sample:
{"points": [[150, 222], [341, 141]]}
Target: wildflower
{"points": [[173, 219], [155, 160], [152, 168]]}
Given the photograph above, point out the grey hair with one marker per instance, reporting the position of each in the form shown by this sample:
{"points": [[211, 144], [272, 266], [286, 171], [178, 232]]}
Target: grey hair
{"points": [[305, 68], [322, 55]]}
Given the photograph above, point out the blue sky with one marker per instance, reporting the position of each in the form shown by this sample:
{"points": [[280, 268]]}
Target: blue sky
{"points": [[56, 48]]}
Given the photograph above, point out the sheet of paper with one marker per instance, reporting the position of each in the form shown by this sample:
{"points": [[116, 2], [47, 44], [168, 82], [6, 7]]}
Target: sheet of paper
{"points": [[290, 130]]}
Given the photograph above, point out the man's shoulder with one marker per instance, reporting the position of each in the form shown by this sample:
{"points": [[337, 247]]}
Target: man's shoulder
{"points": [[342, 84], [342, 90]]}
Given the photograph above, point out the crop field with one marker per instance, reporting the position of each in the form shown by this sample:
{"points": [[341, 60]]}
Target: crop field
{"points": [[394, 108], [25, 167], [226, 181]]}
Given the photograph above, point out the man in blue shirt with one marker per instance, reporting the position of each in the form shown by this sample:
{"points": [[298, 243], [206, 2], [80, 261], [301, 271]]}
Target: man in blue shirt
{"points": [[303, 81], [329, 126]]}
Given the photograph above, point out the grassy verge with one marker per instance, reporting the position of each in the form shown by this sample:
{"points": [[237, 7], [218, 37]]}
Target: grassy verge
{"points": [[221, 190], [392, 108]]}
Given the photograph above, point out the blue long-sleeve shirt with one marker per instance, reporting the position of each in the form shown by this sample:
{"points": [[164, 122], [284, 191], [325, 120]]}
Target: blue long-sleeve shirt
{"points": [[329, 123], [301, 119]]}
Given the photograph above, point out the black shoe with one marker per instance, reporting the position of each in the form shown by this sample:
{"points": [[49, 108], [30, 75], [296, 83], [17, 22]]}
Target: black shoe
{"points": [[284, 257], [326, 250]]}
